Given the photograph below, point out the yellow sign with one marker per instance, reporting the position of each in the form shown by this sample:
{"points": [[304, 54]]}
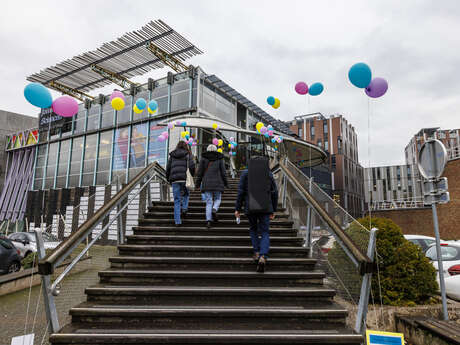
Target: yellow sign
{"points": [[384, 338]]}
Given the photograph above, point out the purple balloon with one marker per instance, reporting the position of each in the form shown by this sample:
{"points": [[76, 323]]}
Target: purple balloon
{"points": [[65, 106], [377, 88], [301, 88], [161, 138]]}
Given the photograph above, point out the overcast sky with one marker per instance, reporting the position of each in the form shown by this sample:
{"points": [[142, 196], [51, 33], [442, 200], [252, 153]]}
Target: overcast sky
{"points": [[263, 48]]}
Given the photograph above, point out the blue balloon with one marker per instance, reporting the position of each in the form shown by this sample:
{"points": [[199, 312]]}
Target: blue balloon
{"points": [[141, 103], [316, 89], [38, 95], [184, 123], [153, 105], [360, 75], [271, 100], [273, 140]]}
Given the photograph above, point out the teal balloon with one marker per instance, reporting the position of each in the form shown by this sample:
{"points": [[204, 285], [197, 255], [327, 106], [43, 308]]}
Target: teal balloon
{"points": [[271, 100], [316, 89], [141, 103], [360, 75], [153, 105], [38, 95]]}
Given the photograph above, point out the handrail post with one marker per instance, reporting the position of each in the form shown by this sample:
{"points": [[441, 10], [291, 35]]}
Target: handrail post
{"points": [[120, 219], [48, 297], [309, 223], [149, 193], [360, 325]]}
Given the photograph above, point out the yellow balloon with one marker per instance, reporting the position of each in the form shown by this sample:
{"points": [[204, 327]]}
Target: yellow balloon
{"points": [[183, 134], [219, 150], [118, 103], [220, 142], [187, 133], [229, 146], [215, 126], [136, 109], [276, 105], [152, 111]]}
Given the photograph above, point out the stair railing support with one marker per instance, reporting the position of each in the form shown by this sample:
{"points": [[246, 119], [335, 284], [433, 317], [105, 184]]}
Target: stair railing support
{"points": [[360, 325], [48, 297], [149, 193], [119, 219]]}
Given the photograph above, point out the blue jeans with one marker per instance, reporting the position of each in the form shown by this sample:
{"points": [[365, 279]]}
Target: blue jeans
{"points": [[213, 200], [259, 227], [181, 196]]}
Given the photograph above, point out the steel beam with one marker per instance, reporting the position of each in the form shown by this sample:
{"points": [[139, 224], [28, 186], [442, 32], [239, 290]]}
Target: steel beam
{"points": [[68, 90], [169, 59], [114, 77]]}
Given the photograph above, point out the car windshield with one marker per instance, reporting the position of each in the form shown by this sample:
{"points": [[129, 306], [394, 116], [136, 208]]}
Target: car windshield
{"points": [[5, 244], [448, 253]]}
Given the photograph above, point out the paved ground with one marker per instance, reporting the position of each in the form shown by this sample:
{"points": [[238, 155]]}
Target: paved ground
{"points": [[13, 307]]}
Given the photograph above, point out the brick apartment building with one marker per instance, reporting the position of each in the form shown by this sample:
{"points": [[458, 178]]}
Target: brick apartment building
{"points": [[337, 137]]}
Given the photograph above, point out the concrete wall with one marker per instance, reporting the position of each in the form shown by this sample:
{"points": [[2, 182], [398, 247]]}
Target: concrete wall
{"points": [[420, 221], [10, 123]]}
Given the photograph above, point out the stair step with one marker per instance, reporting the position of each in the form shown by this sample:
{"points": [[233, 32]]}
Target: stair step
{"points": [[202, 215], [210, 295], [206, 251], [208, 240], [217, 278], [222, 223], [214, 318], [200, 208], [183, 230], [207, 263], [313, 335]]}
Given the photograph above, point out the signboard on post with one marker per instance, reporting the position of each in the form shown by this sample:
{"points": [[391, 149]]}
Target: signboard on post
{"points": [[384, 338], [432, 160]]}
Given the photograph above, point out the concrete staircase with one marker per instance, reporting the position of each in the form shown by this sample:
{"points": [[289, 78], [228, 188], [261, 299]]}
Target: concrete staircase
{"points": [[193, 285]]}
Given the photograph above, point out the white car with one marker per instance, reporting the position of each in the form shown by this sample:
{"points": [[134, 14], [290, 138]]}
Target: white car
{"points": [[25, 242], [450, 253], [453, 287], [422, 241]]}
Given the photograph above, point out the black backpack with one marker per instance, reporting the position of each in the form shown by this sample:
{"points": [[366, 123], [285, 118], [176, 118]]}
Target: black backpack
{"points": [[259, 186]]}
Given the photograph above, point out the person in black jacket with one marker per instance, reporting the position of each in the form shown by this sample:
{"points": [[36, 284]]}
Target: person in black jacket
{"points": [[212, 179], [176, 172], [259, 222]]}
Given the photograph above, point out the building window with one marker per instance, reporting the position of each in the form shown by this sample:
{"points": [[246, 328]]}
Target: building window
{"points": [[319, 143], [63, 163], [312, 130], [326, 145], [339, 145], [388, 177], [89, 161], [325, 129], [103, 163], [75, 163], [379, 177], [300, 133]]}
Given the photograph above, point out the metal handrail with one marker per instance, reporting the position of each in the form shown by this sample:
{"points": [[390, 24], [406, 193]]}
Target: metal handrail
{"points": [[361, 260], [47, 265]]}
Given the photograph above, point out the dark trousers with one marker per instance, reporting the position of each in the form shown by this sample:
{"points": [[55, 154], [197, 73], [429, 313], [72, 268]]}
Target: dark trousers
{"points": [[259, 227]]}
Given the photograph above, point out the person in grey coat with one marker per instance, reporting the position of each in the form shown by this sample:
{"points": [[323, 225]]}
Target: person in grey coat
{"points": [[212, 180]]}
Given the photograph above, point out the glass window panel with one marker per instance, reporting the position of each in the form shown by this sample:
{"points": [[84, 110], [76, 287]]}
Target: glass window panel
{"points": [[157, 149], [39, 168], [145, 95], [124, 115], [93, 117], [103, 163], [107, 114], [138, 143], [51, 166], [63, 162], [180, 95], [120, 153], [160, 94], [74, 174], [89, 160]]}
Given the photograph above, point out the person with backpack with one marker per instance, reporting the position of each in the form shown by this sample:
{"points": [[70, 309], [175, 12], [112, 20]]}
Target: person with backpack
{"points": [[180, 160], [212, 179], [258, 194]]}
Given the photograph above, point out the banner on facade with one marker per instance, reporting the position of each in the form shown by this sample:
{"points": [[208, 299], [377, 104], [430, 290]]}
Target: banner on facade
{"points": [[50, 120]]}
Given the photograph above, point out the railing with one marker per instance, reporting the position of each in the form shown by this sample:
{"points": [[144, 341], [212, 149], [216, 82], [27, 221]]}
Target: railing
{"points": [[397, 204], [119, 203], [453, 153], [350, 264]]}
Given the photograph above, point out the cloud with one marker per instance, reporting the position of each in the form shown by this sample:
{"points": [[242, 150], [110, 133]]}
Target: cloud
{"points": [[264, 48]]}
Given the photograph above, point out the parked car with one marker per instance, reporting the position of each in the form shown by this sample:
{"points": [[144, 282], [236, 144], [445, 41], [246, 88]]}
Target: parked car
{"points": [[450, 253], [453, 287], [25, 242], [10, 260], [420, 240]]}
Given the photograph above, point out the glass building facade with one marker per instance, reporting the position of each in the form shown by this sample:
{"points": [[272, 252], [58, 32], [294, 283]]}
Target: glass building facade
{"points": [[99, 144]]}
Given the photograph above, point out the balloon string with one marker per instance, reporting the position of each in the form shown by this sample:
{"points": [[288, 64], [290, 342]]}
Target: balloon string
{"points": [[369, 157]]}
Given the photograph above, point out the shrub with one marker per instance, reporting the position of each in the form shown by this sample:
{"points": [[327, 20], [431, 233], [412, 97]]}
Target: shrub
{"points": [[30, 260], [406, 276]]}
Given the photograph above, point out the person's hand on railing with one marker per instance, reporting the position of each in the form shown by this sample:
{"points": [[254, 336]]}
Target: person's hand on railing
{"points": [[272, 216]]}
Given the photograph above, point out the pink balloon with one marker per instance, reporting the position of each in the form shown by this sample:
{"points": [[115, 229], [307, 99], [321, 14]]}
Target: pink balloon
{"points": [[301, 88], [165, 134], [270, 133], [65, 106], [170, 125], [215, 141], [117, 93], [161, 138]]}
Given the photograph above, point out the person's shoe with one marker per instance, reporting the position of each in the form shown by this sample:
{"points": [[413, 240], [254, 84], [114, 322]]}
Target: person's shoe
{"points": [[261, 264], [208, 224], [255, 257], [214, 216]]}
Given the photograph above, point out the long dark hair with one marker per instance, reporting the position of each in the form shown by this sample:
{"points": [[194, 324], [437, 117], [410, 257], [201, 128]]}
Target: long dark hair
{"points": [[182, 145]]}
